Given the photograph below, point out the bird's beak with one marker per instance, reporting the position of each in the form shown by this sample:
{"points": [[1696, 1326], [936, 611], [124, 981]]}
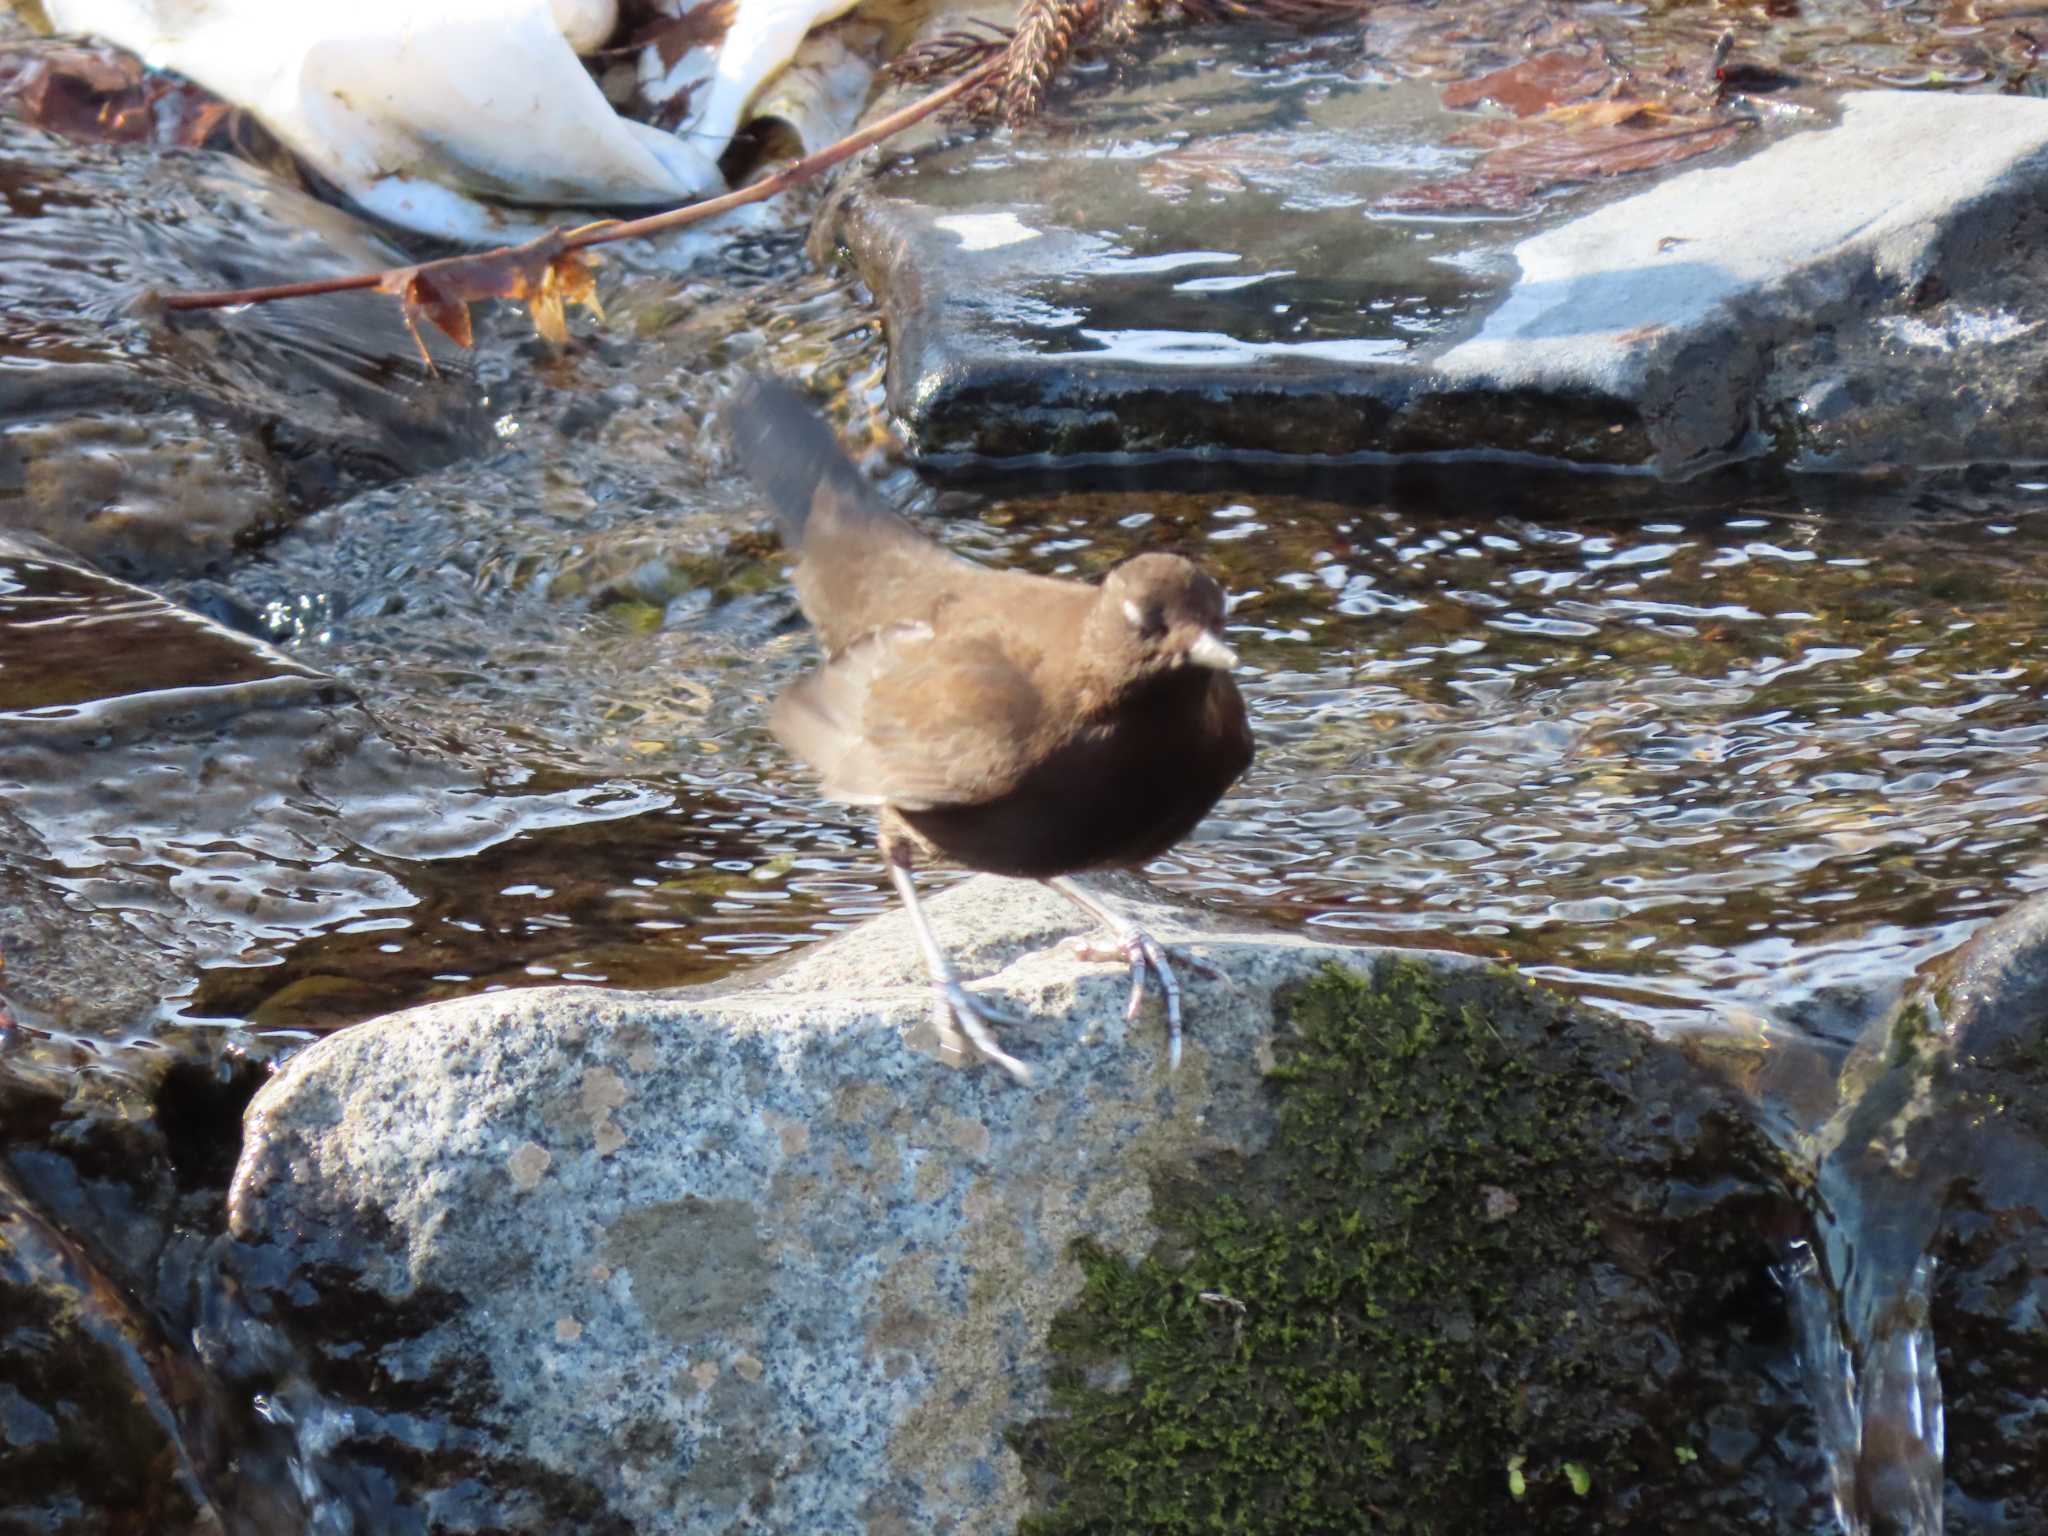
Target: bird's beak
{"points": [[1209, 651]]}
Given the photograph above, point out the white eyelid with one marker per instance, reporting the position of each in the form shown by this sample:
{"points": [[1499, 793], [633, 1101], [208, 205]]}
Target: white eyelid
{"points": [[1134, 614]]}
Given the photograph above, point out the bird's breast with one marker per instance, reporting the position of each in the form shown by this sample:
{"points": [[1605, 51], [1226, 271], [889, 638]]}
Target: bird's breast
{"points": [[1117, 788]]}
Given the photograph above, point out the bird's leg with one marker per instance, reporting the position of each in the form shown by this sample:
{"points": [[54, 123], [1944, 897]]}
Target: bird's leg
{"points": [[957, 1011], [1143, 953]]}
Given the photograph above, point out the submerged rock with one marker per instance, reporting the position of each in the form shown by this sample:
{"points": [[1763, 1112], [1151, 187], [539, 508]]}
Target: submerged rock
{"points": [[1237, 253], [672, 1263], [205, 796], [156, 445]]}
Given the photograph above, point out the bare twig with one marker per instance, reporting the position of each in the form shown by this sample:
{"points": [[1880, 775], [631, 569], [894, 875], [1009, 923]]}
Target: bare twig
{"points": [[607, 230], [1006, 73]]}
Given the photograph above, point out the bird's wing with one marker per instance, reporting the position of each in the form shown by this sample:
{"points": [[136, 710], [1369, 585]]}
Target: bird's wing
{"points": [[899, 719]]}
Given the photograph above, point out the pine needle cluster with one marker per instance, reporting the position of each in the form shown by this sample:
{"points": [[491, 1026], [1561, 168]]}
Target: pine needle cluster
{"points": [[1048, 33]]}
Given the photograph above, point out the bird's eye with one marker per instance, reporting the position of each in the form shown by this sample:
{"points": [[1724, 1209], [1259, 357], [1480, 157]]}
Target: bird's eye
{"points": [[1147, 621]]}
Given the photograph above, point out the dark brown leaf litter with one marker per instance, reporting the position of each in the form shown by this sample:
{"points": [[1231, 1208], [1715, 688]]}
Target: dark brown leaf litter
{"points": [[1575, 115], [1550, 79], [95, 92]]}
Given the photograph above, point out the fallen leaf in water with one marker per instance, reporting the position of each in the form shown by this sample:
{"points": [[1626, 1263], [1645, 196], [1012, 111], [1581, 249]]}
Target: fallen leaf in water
{"points": [[1472, 192], [1607, 150], [539, 274], [1512, 176], [1604, 114], [1230, 162], [1536, 84]]}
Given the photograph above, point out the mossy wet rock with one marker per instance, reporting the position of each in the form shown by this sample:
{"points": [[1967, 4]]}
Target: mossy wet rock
{"points": [[1495, 1270], [1190, 261], [671, 1263], [1940, 1153]]}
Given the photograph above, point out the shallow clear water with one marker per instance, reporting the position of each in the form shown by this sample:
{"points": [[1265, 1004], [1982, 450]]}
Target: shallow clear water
{"points": [[1722, 755], [1706, 752], [1700, 753]]}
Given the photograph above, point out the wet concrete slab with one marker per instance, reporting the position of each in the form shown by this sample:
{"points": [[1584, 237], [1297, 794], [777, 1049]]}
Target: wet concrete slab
{"points": [[1247, 248]]}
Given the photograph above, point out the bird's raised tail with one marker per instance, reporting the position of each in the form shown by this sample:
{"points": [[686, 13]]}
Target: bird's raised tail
{"points": [[792, 456]]}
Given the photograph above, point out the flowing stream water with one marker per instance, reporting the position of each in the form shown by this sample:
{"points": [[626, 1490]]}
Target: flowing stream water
{"points": [[483, 704]]}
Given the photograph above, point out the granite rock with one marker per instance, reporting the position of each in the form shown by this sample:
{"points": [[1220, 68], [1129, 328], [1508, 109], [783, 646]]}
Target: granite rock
{"points": [[762, 1256]]}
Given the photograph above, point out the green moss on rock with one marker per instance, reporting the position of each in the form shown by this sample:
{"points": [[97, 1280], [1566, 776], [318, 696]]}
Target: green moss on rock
{"points": [[1444, 1269]]}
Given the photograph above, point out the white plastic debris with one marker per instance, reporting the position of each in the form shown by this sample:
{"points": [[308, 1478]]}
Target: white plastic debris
{"points": [[719, 83], [586, 25], [473, 120]]}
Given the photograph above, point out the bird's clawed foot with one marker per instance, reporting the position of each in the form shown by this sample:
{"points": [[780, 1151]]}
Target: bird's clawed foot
{"points": [[1145, 956], [959, 1014], [963, 1017]]}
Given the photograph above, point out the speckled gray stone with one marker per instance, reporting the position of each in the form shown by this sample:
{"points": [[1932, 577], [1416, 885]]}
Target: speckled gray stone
{"points": [[600, 1261]]}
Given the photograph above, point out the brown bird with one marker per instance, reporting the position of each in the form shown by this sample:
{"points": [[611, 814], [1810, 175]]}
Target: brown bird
{"points": [[1015, 724]]}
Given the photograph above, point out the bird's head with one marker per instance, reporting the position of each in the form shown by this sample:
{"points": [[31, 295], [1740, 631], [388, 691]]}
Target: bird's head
{"points": [[1158, 613]]}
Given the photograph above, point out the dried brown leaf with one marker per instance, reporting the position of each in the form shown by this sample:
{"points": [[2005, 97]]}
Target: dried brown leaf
{"points": [[539, 274], [97, 92], [570, 278], [419, 298], [1605, 114]]}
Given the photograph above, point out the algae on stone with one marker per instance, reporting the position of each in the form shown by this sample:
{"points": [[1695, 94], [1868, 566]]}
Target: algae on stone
{"points": [[1499, 1260]]}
